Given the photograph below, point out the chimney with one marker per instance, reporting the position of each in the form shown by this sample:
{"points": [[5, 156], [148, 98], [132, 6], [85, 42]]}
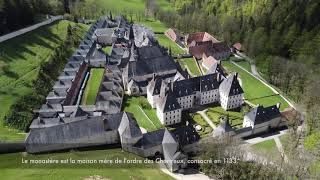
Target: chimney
{"points": [[278, 105]]}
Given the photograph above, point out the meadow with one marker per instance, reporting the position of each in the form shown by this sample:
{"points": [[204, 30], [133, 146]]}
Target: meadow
{"points": [[167, 43], [19, 65]]}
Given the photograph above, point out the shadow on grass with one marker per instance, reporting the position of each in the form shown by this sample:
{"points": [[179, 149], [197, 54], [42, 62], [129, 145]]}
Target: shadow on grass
{"points": [[263, 97], [16, 48]]}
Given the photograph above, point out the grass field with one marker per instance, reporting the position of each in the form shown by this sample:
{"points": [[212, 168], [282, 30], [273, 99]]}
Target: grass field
{"points": [[120, 6], [235, 118], [191, 65], [245, 64], [92, 87], [197, 119], [268, 149], [255, 91], [19, 65], [107, 49], [154, 25], [14, 169], [135, 105], [129, 6], [166, 42]]}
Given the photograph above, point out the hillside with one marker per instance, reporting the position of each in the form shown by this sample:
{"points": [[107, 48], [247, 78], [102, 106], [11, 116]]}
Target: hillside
{"points": [[19, 65]]}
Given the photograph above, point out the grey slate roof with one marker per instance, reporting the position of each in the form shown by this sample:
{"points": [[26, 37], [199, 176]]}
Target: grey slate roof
{"points": [[155, 86], [261, 114], [216, 68], [151, 139], [169, 102], [128, 127], [151, 60], [143, 36], [112, 121], [50, 110], [104, 32], [231, 86], [186, 135], [209, 82], [74, 134], [169, 144], [189, 86]]}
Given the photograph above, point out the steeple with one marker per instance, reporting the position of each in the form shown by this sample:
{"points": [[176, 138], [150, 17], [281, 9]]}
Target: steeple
{"points": [[131, 34]]}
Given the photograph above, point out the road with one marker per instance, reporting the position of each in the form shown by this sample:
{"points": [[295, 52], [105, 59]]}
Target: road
{"points": [[30, 28]]}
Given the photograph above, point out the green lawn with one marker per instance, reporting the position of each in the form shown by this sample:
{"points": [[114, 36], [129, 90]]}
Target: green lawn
{"points": [[120, 6], [166, 42], [19, 65], [107, 49], [129, 6], [255, 91], [138, 106], [198, 120], [315, 169], [154, 25], [245, 64], [191, 65], [14, 169], [92, 87], [165, 5], [268, 149], [235, 118]]}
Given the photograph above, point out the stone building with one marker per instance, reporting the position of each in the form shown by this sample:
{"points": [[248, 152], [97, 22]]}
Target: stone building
{"points": [[231, 93], [144, 63], [259, 120], [174, 35], [84, 129], [203, 44], [170, 98], [64, 124]]}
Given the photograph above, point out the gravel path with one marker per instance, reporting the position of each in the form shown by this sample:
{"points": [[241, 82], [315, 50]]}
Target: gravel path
{"points": [[206, 118]]}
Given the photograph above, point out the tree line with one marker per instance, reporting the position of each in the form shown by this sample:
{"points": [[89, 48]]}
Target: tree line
{"points": [[22, 112], [17, 14]]}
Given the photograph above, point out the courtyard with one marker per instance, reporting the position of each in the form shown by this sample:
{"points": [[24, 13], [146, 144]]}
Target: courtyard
{"points": [[142, 112], [92, 86]]}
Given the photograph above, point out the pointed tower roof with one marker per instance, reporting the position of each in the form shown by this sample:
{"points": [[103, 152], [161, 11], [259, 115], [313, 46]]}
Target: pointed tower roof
{"points": [[155, 85], [231, 86], [128, 127], [216, 68]]}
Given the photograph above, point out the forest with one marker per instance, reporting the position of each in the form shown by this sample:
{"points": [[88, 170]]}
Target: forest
{"points": [[17, 14]]}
